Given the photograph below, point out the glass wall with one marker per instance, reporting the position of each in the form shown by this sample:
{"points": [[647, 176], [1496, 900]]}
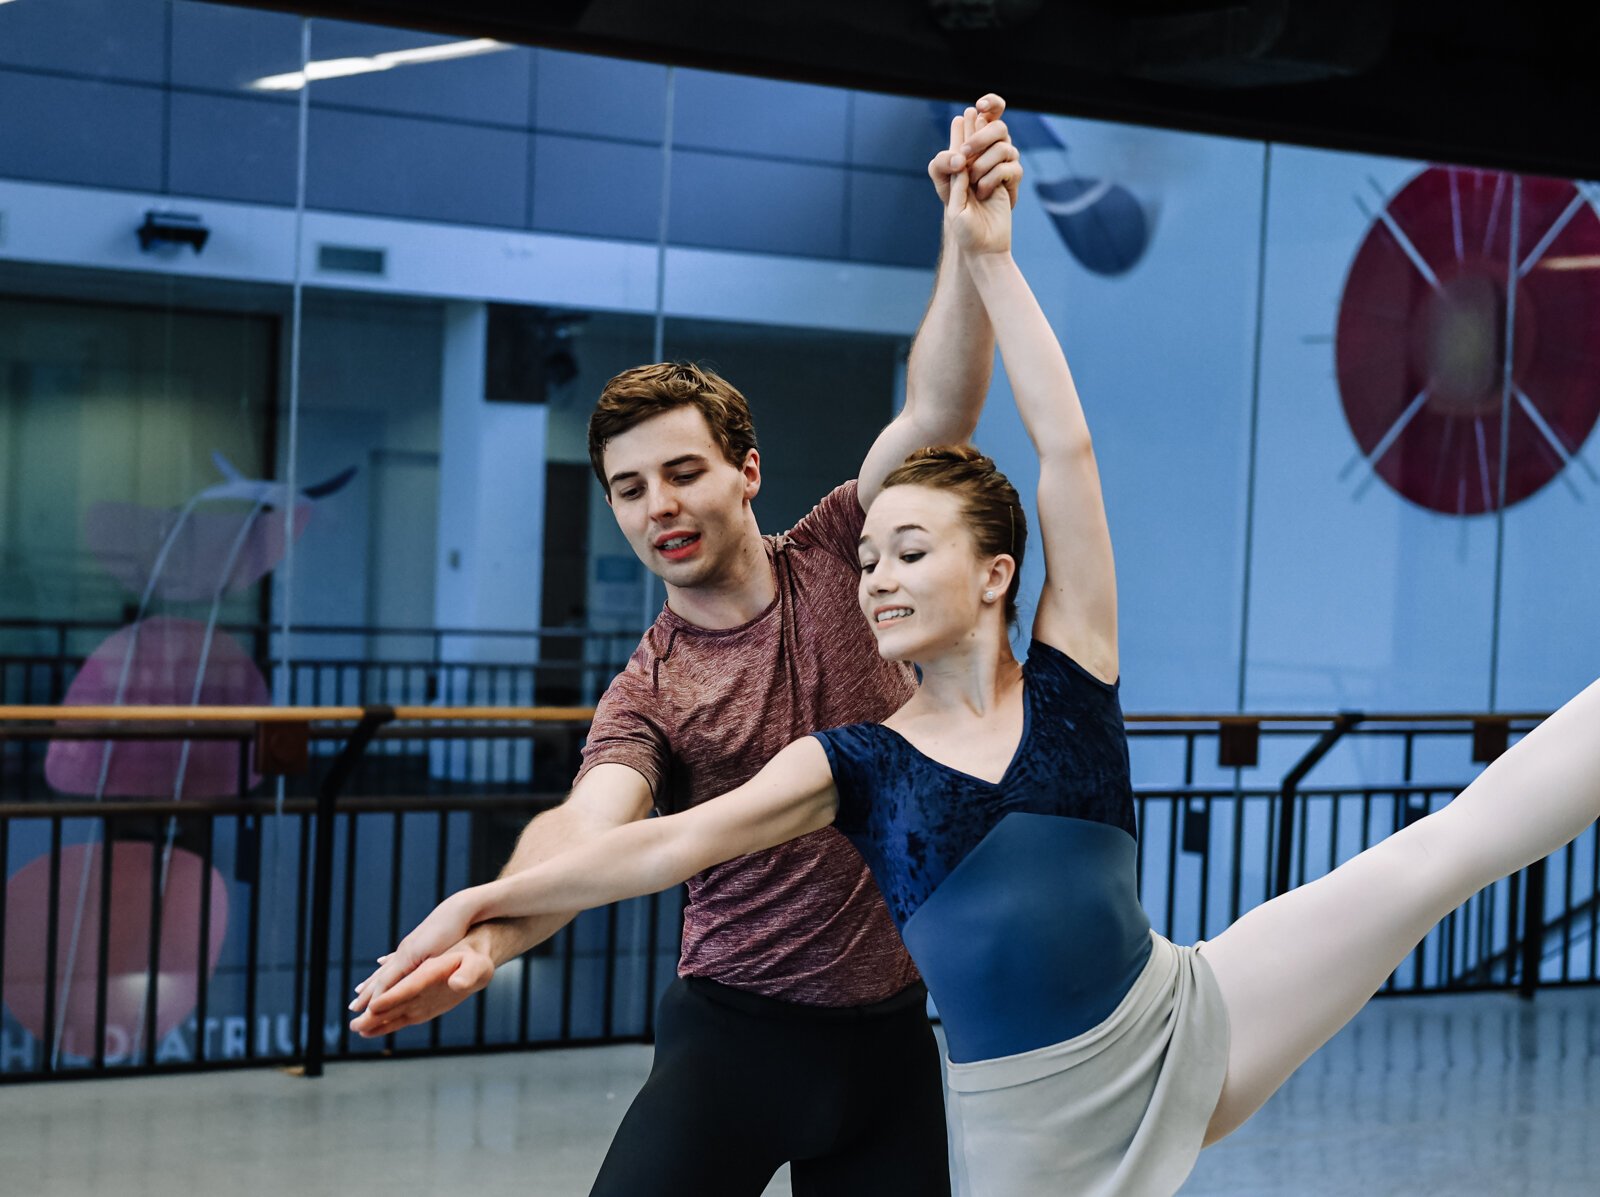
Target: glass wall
{"points": [[300, 326], [301, 322]]}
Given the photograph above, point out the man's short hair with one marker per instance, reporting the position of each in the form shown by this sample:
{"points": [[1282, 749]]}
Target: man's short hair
{"points": [[643, 392]]}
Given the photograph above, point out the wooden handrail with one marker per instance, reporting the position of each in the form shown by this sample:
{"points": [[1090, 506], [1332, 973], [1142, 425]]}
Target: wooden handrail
{"points": [[508, 714], [197, 714], [1248, 717]]}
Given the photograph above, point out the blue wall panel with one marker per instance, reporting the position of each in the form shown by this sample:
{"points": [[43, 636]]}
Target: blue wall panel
{"points": [[600, 188], [894, 219], [233, 149], [224, 48], [607, 97], [892, 131], [1550, 598], [736, 114], [1162, 358], [80, 131], [725, 202], [494, 88], [119, 39], [425, 170]]}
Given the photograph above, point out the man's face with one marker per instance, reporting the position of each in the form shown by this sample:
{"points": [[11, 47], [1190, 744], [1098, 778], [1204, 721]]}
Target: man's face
{"points": [[677, 499]]}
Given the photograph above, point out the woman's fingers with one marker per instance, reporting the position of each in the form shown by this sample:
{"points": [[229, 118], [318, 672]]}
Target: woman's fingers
{"points": [[363, 991], [1007, 175], [984, 164], [395, 965], [985, 138]]}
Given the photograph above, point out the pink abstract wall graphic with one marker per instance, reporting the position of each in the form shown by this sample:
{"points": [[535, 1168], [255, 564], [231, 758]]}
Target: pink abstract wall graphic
{"points": [[198, 552], [128, 955], [187, 555], [128, 542], [162, 657]]}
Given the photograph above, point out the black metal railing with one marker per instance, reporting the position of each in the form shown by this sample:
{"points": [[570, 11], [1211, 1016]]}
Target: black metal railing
{"points": [[353, 664], [152, 935], [1243, 843], [114, 959]]}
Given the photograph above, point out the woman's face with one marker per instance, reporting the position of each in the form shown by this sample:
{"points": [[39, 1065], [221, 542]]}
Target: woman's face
{"points": [[922, 581]]}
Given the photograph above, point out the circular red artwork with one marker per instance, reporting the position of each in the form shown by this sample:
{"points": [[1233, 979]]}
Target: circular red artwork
{"points": [[1422, 342]]}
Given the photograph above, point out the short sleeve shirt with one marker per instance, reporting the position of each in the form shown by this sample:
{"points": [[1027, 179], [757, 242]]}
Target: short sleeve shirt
{"points": [[699, 711]]}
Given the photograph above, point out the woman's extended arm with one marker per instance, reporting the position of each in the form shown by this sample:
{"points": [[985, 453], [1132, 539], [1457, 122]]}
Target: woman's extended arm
{"points": [[791, 796], [1078, 605]]}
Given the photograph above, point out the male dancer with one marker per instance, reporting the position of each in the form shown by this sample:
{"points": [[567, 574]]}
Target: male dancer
{"points": [[796, 1030]]}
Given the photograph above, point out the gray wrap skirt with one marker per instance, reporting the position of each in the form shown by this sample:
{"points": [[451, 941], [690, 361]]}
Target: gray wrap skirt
{"points": [[1118, 1111]]}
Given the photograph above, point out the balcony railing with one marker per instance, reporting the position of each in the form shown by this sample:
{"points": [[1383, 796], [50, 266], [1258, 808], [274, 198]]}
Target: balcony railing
{"points": [[147, 935]]}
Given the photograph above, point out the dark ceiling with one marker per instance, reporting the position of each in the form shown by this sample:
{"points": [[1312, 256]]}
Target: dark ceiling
{"points": [[1496, 84]]}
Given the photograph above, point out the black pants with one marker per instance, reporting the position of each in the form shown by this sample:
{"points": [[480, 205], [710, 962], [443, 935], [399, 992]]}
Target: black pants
{"points": [[741, 1083]]}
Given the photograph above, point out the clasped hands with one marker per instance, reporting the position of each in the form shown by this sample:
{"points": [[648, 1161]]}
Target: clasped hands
{"points": [[977, 178], [433, 956]]}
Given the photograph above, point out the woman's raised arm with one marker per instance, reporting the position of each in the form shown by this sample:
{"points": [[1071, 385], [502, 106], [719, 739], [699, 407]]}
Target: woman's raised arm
{"points": [[1078, 604], [791, 796]]}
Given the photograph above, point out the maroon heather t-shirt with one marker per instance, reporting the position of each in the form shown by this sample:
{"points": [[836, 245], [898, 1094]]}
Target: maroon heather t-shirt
{"points": [[699, 712]]}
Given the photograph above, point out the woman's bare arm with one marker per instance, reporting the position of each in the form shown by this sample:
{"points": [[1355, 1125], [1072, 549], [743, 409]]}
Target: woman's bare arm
{"points": [[1078, 605], [791, 796]]}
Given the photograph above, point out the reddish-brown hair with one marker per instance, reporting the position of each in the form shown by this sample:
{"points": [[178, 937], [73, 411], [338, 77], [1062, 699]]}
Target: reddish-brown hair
{"points": [[989, 502], [637, 395]]}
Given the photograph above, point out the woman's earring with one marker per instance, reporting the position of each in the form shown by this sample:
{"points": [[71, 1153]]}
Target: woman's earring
{"points": [[988, 596]]}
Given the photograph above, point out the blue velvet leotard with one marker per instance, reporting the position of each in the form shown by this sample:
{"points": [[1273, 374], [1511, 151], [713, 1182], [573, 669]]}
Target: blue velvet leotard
{"points": [[1017, 900]]}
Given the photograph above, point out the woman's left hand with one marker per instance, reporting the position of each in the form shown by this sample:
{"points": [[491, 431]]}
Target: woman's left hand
{"points": [[440, 931]]}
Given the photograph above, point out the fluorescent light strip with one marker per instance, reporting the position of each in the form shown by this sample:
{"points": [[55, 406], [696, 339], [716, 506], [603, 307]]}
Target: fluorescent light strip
{"points": [[1574, 262], [340, 68]]}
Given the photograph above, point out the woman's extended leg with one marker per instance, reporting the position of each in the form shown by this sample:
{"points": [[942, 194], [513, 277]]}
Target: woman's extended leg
{"points": [[1296, 969]]}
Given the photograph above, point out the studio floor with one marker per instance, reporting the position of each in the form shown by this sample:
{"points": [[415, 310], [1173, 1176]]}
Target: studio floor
{"points": [[1482, 1096]]}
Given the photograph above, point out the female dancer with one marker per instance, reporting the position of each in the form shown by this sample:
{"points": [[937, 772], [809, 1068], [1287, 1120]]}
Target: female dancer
{"points": [[1087, 1054]]}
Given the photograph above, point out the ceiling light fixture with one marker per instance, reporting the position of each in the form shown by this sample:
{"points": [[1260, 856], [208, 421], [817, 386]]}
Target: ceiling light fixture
{"points": [[339, 68], [1572, 262]]}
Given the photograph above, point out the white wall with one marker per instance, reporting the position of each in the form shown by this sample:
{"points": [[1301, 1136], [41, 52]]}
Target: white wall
{"points": [[1162, 359]]}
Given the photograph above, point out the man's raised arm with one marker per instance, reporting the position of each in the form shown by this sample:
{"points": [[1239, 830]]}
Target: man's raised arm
{"points": [[608, 796], [952, 355]]}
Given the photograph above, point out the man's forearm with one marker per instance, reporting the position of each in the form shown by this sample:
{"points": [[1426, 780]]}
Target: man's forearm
{"points": [[545, 836], [952, 357], [506, 939]]}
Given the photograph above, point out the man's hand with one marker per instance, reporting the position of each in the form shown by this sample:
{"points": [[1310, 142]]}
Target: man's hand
{"points": [[980, 146], [435, 986]]}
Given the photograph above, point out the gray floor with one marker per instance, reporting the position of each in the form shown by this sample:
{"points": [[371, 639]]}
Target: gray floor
{"points": [[1462, 1096]]}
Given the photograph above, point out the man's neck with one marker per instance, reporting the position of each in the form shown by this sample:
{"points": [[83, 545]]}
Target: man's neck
{"points": [[743, 592]]}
